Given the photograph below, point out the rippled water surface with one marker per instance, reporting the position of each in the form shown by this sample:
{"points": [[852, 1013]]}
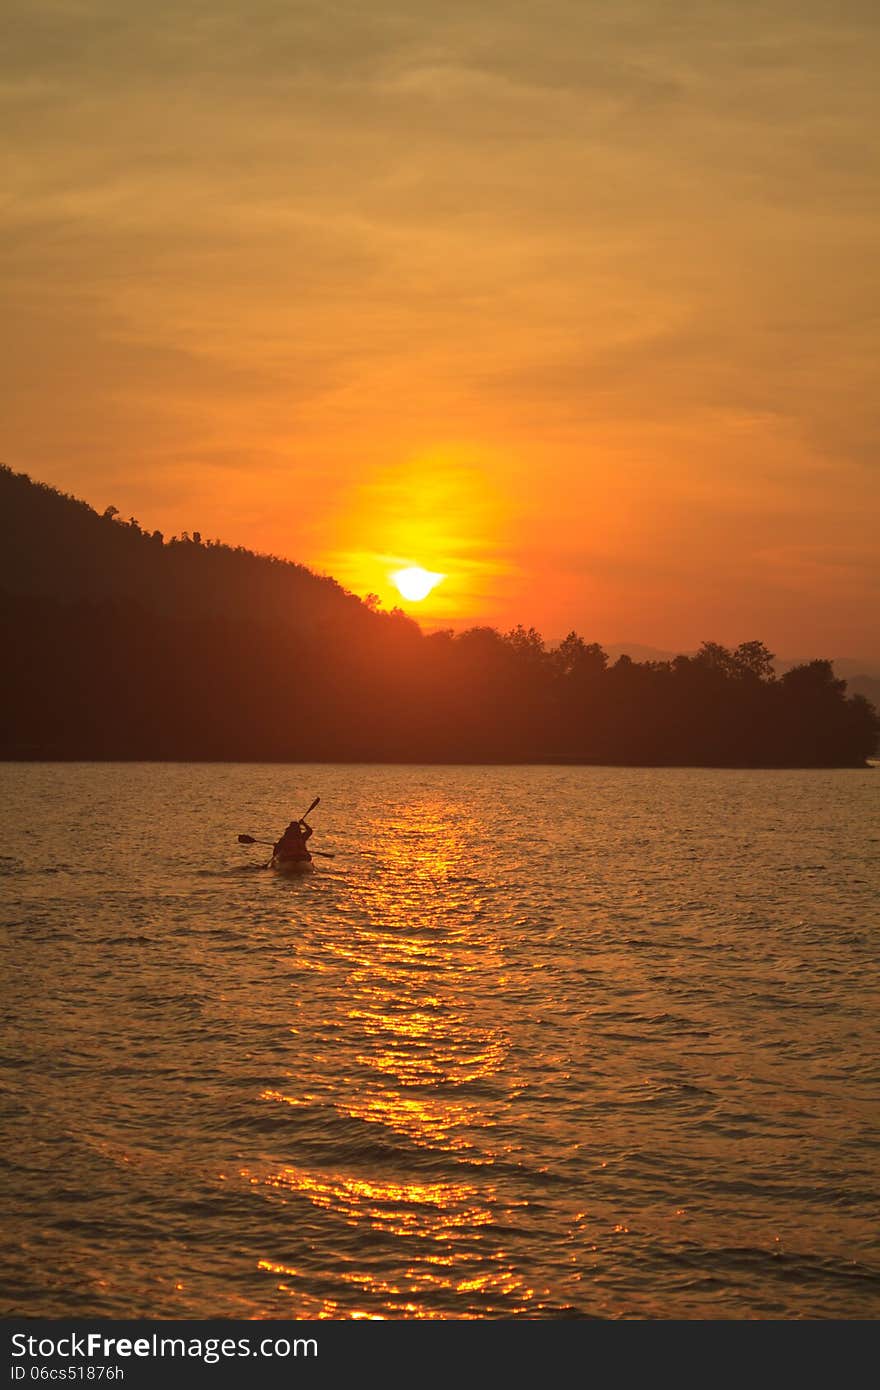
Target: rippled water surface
{"points": [[589, 1042]]}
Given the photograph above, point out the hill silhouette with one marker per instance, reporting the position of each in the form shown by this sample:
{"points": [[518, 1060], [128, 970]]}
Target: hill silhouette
{"points": [[59, 547], [122, 644]]}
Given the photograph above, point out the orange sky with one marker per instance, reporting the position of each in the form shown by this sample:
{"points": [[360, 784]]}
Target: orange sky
{"points": [[575, 303]]}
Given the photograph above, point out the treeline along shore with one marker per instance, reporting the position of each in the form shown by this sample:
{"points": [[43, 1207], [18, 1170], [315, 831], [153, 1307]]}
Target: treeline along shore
{"points": [[120, 644]]}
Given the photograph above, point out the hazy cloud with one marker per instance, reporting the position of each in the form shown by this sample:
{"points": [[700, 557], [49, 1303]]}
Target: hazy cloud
{"points": [[628, 250]]}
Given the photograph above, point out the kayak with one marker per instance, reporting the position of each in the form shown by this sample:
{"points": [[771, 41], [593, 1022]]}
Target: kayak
{"points": [[285, 864]]}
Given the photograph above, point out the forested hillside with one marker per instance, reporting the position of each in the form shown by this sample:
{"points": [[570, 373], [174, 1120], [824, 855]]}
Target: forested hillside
{"points": [[56, 546], [120, 644]]}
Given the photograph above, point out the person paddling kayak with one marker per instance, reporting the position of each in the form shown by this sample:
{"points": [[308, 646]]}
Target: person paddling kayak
{"points": [[289, 854], [292, 844]]}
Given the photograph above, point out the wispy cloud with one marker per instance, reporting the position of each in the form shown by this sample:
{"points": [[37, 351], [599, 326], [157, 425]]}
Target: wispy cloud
{"points": [[629, 250]]}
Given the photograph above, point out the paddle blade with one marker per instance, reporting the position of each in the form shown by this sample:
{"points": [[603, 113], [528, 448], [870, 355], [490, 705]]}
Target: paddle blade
{"points": [[311, 808], [246, 840]]}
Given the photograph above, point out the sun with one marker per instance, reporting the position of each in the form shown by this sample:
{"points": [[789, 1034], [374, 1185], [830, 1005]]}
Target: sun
{"points": [[414, 583]]}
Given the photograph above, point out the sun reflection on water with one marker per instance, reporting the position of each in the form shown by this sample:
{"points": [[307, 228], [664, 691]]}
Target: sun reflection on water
{"points": [[444, 1217], [411, 990], [504, 1055]]}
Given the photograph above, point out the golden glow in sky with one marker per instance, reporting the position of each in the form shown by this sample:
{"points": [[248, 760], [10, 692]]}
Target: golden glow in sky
{"points": [[443, 513], [572, 304]]}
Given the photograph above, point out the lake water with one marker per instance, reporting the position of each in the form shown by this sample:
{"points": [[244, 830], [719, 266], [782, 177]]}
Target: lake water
{"points": [[537, 1042]]}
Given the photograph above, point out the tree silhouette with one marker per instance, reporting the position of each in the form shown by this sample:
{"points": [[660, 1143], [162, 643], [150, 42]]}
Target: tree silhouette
{"points": [[123, 645]]}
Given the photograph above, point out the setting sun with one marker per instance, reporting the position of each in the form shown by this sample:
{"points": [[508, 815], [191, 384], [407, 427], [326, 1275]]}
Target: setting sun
{"points": [[415, 583]]}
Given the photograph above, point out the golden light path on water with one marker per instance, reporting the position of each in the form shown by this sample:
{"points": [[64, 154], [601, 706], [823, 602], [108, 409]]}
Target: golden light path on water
{"points": [[537, 1042], [406, 987]]}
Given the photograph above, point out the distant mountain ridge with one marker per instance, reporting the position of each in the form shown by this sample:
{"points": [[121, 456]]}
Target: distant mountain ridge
{"points": [[58, 546], [122, 645]]}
